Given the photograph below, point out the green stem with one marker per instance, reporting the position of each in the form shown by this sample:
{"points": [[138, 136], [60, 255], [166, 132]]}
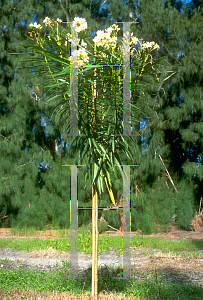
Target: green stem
{"points": [[57, 35], [45, 58], [144, 64]]}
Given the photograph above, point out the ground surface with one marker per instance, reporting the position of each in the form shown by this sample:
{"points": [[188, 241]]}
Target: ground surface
{"points": [[174, 234], [143, 260]]}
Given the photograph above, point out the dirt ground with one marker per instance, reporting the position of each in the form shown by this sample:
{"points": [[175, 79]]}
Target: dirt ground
{"points": [[173, 234]]}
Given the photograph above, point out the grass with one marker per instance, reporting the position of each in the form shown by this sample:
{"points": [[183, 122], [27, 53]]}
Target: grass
{"points": [[13, 282]]}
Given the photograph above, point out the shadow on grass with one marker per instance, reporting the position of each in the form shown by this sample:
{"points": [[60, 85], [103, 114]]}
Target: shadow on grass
{"points": [[154, 286], [198, 244]]}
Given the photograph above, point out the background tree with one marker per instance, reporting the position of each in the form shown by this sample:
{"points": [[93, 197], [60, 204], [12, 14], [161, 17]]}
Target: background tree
{"points": [[28, 149], [172, 113], [173, 129]]}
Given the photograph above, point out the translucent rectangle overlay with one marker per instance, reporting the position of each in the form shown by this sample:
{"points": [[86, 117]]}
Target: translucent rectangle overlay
{"points": [[126, 84], [126, 168], [126, 258]]}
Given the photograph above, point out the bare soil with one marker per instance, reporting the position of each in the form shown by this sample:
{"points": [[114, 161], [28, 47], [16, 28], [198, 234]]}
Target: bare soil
{"points": [[173, 234]]}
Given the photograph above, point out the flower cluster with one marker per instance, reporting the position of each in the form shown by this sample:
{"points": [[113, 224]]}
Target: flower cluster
{"points": [[112, 27], [104, 38], [80, 24], [134, 40], [35, 25], [48, 22], [79, 57], [150, 45]]}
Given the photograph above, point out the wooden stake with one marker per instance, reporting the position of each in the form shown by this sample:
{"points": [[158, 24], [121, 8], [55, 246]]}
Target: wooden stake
{"points": [[94, 244], [94, 215]]}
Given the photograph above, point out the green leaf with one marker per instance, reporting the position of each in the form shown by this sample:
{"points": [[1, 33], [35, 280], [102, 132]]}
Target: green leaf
{"points": [[105, 151], [95, 170], [54, 58], [94, 142]]}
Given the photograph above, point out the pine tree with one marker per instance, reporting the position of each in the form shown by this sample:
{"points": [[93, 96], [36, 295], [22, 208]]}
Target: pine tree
{"points": [[28, 149], [174, 126], [18, 118], [23, 138], [171, 109]]}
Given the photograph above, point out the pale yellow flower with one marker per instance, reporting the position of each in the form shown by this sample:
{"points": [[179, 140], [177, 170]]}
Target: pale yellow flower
{"points": [[79, 57], [109, 30], [47, 21], [114, 38], [59, 20], [35, 25], [104, 39], [80, 24], [134, 40], [115, 27], [83, 44], [99, 33], [106, 36], [148, 45]]}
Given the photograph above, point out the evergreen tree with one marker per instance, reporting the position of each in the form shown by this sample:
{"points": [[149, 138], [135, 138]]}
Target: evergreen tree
{"points": [[29, 149], [26, 145], [172, 107], [18, 118], [171, 115], [174, 126]]}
